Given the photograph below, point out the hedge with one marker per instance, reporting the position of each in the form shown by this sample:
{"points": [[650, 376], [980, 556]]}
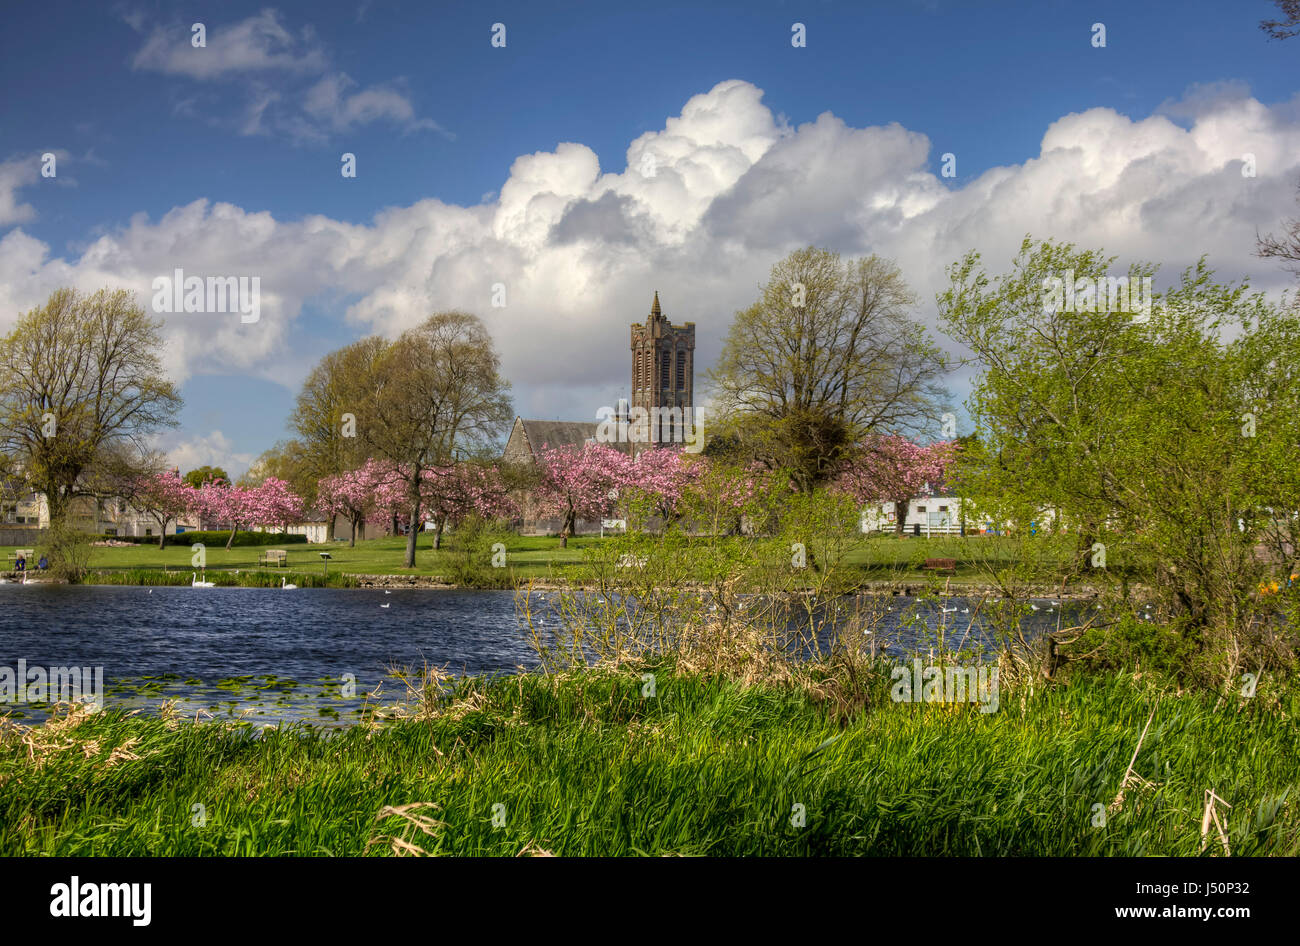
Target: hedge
{"points": [[213, 537]]}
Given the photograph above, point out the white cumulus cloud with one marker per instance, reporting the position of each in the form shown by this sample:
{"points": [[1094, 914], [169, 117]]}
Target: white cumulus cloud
{"points": [[731, 188]]}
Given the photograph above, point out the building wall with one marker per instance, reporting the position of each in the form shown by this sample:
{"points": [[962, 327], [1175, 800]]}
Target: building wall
{"points": [[517, 449], [29, 510], [24, 537]]}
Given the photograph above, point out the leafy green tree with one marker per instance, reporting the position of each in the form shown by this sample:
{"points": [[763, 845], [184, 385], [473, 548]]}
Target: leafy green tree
{"points": [[1166, 439], [206, 474], [827, 355], [326, 413], [82, 391], [433, 396]]}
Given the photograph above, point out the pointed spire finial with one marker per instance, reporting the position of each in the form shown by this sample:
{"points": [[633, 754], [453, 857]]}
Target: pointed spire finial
{"points": [[654, 309]]}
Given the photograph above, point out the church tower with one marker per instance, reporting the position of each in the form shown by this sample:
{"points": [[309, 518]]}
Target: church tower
{"points": [[663, 378]]}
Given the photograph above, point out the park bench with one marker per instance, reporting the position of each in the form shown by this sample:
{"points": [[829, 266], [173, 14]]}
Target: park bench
{"points": [[941, 564], [28, 554], [273, 557]]}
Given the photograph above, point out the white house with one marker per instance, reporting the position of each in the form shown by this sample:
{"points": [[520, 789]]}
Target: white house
{"points": [[313, 524], [925, 515], [939, 515], [98, 517]]}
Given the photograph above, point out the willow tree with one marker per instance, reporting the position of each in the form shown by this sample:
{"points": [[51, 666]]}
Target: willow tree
{"points": [[827, 355], [82, 392]]}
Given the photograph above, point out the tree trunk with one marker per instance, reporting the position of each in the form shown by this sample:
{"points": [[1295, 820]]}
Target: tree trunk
{"points": [[437, 535], [352, 543], [900, 516], [56, 505], [162, 538], [231, 541], [412, 534]]}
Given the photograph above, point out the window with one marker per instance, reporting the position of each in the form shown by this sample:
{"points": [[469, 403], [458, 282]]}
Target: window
{"points": [[920, 509], [943, 508]]}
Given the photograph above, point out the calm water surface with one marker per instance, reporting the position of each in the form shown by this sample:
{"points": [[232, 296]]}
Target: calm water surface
{"points": [[270, 655]]}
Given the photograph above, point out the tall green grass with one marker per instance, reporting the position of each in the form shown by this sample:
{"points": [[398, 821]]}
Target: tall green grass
{"points": [[584, 764]]}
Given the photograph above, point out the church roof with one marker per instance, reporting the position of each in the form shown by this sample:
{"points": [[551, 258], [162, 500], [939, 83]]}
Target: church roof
{"points": [[654, 309], [555, 433]]}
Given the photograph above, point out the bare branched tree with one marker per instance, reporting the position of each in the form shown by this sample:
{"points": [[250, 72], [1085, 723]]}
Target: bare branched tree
{"points": [[1285, 28]]}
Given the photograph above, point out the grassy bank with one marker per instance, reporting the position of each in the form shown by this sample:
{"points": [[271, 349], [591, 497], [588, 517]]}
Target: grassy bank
{"points": [[585, 765]]}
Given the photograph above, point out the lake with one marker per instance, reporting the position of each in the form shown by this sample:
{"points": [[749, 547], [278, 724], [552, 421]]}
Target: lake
{"points": [[269, 655]]}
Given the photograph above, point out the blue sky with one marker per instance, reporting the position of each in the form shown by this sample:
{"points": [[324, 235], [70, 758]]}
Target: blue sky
{"points": [[226, 160]]}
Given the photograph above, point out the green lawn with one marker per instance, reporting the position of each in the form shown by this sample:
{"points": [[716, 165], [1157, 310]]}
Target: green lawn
{"points": [[531, 557]]}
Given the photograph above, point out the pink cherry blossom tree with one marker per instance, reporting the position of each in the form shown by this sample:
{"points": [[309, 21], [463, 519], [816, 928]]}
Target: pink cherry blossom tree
{"points": [[270, 503], [580, 483], [889, 468], [358, 494], [163, 497], [451, 493], [211, 502], [662, 477], [391, 492]]}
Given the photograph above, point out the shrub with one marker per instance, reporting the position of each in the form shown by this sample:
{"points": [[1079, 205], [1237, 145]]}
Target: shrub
{"points": [[467, 557], [1133, 644], [68, 551]]}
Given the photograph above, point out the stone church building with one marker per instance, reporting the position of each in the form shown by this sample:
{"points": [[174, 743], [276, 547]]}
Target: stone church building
{"points": [[663, 393]]}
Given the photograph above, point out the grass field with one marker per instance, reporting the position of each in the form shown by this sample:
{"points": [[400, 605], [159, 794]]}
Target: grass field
{"points": [[532, 556], [584, 765], [529, 557]]}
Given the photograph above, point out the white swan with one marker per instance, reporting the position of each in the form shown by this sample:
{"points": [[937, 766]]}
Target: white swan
{"points": [[286, 587], [195, 583], [385, 605]]}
